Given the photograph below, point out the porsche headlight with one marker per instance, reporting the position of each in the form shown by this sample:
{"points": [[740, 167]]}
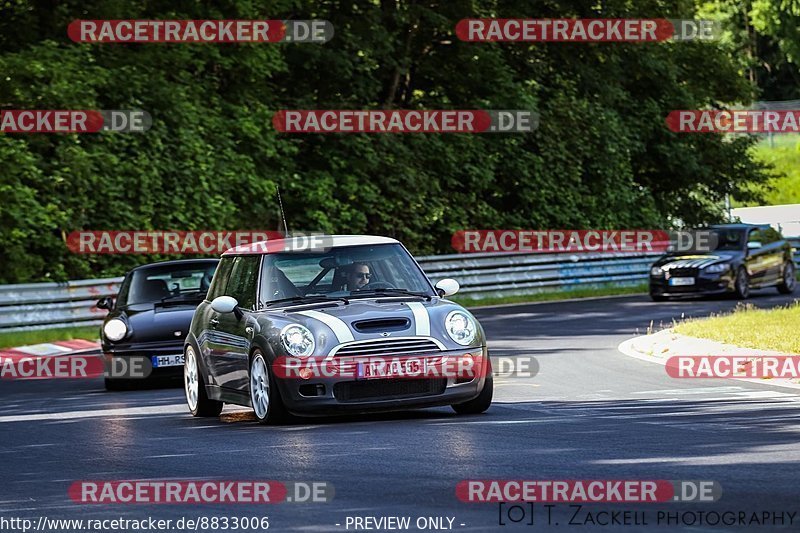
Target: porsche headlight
{"points": [[717, 268], [656, 271], [298, 340], [115, 329], [461, 327]]}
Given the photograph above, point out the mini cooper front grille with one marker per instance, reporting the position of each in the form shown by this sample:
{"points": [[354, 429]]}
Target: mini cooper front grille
{"points": [[397, 346], [387, 389]]}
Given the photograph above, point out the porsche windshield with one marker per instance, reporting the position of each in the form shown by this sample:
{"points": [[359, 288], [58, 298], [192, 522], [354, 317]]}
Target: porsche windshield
{"points": [[166, 283], [343, 272]]}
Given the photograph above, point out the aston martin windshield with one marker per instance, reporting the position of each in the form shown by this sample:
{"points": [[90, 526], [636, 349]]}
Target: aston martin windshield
{"points": [[349, 271]]}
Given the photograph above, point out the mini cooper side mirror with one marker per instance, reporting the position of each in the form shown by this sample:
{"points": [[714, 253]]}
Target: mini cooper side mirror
{"points": [[224, 304], [106, 302], [447, 287]]}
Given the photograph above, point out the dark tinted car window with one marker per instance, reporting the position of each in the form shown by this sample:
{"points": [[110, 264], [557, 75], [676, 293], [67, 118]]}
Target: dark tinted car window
{"points": [[243, 280], [729, 239], [220, 278], [168, 281], [755, 236], [770, 235]]}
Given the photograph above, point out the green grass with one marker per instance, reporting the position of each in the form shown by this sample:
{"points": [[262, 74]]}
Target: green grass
{"points": [[748, 327], [784, 155], [23, 338], [551, 296]]}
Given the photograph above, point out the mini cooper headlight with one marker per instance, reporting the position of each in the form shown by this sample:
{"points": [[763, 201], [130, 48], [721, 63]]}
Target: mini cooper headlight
{"points": [[717, 268], [297, 340], [461, 327], [656, 271], [115, 329]]}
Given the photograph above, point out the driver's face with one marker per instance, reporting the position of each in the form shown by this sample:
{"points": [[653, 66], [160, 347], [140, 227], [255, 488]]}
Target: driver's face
{"points": [[358, 277]]}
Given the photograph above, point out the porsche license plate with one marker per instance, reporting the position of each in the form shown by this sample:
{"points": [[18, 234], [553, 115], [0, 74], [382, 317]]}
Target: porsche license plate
{"points": [[167, 360]]}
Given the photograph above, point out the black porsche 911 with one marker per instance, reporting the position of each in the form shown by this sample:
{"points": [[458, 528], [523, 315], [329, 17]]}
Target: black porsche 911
{"points": [[745, 257], [144, 332]]}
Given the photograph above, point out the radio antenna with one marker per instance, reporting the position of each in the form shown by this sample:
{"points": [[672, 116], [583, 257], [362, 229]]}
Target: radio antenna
{"points": [[283, 215]]}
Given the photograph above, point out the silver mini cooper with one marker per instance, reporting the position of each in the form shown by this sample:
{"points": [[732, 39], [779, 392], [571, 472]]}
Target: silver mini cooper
{"points": [[349, 325]]}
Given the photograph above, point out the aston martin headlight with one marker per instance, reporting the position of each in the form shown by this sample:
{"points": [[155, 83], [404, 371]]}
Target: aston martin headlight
{"points": [[656, 271], [461, 327], [298, 340], [716, 268], [115, 329]]}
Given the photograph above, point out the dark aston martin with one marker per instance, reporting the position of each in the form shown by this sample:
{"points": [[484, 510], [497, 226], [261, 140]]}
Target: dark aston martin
{"points": [[744, 257], [146, 327]]}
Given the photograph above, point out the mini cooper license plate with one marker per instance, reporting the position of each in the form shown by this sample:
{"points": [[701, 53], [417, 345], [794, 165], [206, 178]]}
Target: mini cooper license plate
{"points": [[388, 369], [677, 282], [167, 360]]}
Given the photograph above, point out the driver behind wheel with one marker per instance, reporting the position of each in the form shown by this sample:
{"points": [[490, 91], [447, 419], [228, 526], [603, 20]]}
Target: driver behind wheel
{"points": [[358, 276]]}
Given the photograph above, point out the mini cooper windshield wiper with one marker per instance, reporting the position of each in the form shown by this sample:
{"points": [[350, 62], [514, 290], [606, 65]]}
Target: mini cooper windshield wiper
{"points": [[400, 292], [306, 300]]}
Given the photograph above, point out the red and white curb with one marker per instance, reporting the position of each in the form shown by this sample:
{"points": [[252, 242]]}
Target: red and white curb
{"points": [[52, 349], [660, 346]]}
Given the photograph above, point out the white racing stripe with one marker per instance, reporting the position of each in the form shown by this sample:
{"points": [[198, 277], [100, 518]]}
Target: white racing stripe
{"points": [[422, 320], [339, 327]]}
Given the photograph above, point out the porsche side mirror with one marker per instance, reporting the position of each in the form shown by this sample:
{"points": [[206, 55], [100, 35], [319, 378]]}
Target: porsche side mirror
{"points": [[106, 302], [447, 287]]}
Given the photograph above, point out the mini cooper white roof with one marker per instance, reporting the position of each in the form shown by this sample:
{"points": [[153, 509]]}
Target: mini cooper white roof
{"points": [[307, 243]]}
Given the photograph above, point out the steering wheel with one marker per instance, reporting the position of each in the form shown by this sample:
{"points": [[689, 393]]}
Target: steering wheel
{"points": [[377, 285]]}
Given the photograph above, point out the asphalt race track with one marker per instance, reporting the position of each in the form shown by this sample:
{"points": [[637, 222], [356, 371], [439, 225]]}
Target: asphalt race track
{"points": [[590, 413]]}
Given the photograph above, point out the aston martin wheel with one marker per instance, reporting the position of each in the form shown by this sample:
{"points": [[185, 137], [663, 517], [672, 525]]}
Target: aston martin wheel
{"points": [[789, 280], [264, 394], [742, 284], [194, 385]]}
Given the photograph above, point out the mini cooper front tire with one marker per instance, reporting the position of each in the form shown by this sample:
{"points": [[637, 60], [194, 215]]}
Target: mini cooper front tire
{"points": [[265, 397], [194, 386], [483, 401]]}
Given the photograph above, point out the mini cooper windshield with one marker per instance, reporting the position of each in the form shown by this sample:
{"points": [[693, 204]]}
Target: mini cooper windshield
{"points": [[343, 273], [168, 283]]}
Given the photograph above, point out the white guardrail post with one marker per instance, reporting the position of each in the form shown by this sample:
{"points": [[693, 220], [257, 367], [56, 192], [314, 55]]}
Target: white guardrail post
{"points": [[481, 275]]}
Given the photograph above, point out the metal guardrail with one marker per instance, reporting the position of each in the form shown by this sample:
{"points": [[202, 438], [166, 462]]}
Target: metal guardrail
{"points": [[51, 305], [54, 305]]}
